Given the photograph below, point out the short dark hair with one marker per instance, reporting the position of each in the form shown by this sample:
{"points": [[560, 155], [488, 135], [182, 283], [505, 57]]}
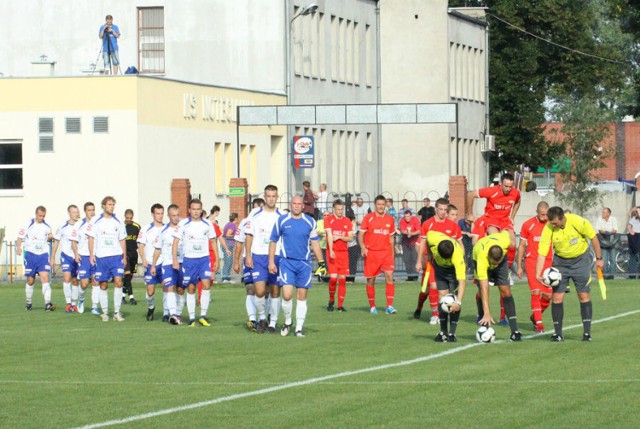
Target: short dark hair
{"points": [[41, 209], [156, 206], [506, 176], [380, 198], [495, 253], [451, 207], [338, 202], [106, 199], [306, 183], [88, 204], [271, 188], [233, 216], [128, 211], [445, 249], [72, 206], [195, 201], [555, 212], [258, 202], [173, 206], [214, 209], [407, 212], [404, 200], [442, 202]]}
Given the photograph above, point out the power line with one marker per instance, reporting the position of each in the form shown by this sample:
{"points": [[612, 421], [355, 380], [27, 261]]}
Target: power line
{"points": [[554, 43]]}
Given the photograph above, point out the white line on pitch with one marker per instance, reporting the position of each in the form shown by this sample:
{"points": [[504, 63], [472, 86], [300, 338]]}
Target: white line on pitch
{"points": [[315, 380]]}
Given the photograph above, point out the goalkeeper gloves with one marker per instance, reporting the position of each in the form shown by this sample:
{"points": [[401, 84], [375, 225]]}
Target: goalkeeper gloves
{"points": [[322, 269]]}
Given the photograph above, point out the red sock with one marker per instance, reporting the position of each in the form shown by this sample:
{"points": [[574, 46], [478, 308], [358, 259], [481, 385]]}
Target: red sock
{"points": [[342, 290], [391, 292], [502, 313], [511, 255], [199, 291], [332, 288], [535, 307], [433, 299], [421, 299], [371, 295], [545, 301]]}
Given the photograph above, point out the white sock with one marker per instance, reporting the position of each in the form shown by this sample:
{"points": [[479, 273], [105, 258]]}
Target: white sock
{"points": [[287, 308], [180, 304], [275, 310], [46, 292], [250, 304], [66, 288], [95, 296], [171, 302], [104, 301], [151, 301], [191, 305], [165, 305], [117, 299], [205, 298], [75, 291], [81, 293], [260, 308], [301, 314], [28, 291]]}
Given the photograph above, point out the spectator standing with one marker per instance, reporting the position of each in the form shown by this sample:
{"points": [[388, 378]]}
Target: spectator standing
{"points": [[308, 200], [229, 233], [466, 225], [607, 227], [322, 200], [354, 250], [633, 231], [322, 234], [360, 210], [404, 206], [426, 211], [110, 33], [409, 227], [391, 211]]}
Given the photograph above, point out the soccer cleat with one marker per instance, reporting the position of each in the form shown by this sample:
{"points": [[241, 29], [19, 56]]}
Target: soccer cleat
{"points": [[192, 323], [299, 334], [81, 306], [373, 310], [165, 318], [94, 310], [124, 301], [330, 306], [104, 317], [68, 308], [285, 330], [341, 309], [417, 313], [133, 301], [118, 317], [539, 328], [150, 314], [175, 320], [452, 338], [434, 320], [390, 310], [503, 322], [204, 321], [262, 326], [441, 338], [74, 309], [252, 325], [271, 329], [586, 337], [49, 307], [28, 307], [555, 338], [516, 336]]}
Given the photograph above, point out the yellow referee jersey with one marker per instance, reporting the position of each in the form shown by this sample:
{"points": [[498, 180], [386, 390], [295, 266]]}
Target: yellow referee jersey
{"points": [[434, 238], [481, 252], [568, 242]]}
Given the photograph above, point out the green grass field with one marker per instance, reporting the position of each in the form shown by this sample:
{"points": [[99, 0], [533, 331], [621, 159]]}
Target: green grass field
{"points": [[352, 370]]}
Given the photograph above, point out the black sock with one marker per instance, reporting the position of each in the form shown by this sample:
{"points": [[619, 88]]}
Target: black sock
{"points": [[443, 319], [586, 310], [454, 317], [557, 314], [127, 288], [510, 311]]}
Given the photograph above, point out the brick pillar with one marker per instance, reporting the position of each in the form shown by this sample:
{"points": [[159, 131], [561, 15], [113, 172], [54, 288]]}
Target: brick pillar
{"points": [[181, 194], [238, 204], [458, 193]]}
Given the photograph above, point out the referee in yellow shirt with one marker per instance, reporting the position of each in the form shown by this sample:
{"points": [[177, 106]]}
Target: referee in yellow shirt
{"points": [[569, 234], [447, 258], [489, 255]]}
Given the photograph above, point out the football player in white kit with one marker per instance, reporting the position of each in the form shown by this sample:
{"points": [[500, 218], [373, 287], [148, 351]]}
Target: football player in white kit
{"points": [[68, 258], [195, 234], [36, 235], [258, 230], [171, 278], [108, 252], [86, 270], [147, 239]]}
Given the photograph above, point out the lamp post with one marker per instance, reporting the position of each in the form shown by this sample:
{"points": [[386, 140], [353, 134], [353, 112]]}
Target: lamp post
{"points": [[307, 10]]}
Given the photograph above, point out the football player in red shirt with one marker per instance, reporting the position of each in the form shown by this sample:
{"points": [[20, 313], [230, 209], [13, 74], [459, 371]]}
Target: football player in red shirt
{"points": [[377, 241], [529, 240], [441, 223], [339, 229]]}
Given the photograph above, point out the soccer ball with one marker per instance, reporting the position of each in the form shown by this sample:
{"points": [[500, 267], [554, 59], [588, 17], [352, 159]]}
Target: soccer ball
{"points": [[446, 301], [551, 277], [485, 334]]}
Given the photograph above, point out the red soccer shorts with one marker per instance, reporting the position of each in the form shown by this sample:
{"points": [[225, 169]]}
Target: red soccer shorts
{"points": [[378, 261], [340, 264], [502, 224], [534, 284]]}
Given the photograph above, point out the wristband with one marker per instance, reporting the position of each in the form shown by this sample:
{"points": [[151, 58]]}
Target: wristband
{"points": [[599, 259]]}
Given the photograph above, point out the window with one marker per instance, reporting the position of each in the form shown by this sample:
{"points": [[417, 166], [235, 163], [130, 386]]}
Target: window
{"points": [[72, 125], [45, 134], [151, 39], [101, 124], [10, 165]]}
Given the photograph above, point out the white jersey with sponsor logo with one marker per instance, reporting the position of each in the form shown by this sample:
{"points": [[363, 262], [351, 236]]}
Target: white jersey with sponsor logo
{"points": [[194, 237], [149, 235], [260, 226], [65, 234], [35, 237], [165, 243], [81, 237], [107, 233]]}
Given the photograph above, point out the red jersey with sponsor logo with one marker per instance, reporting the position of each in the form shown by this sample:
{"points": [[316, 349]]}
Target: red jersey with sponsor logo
{"points": [[340, 227], [531, 232], [447, 227], [499, 205], [377, 230]]}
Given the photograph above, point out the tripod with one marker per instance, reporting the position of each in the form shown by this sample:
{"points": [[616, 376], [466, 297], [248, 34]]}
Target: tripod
{"points": [[110, 50]]}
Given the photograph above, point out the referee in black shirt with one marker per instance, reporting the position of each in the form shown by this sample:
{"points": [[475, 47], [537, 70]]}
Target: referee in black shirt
{"points": [[133, 229]]}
